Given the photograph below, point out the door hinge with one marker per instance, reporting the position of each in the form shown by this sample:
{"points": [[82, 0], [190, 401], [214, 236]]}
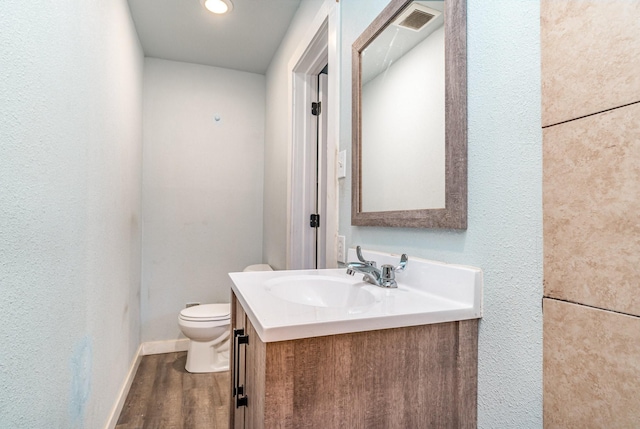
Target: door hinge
{"points": [[316, 108], [314, 221], [242, 401]]}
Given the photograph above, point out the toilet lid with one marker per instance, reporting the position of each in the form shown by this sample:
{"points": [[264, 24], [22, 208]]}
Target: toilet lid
{"points": [[207, 312]]}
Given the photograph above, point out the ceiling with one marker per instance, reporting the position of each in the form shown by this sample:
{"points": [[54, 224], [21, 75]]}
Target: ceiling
{"points": [[183, 30]]}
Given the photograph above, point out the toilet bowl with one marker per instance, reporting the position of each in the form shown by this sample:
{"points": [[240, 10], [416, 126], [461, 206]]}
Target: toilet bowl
{"points": [[208, 329]]}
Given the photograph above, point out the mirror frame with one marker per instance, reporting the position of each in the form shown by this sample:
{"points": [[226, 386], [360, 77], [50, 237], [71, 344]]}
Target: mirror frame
{"points": [[454, 215]]}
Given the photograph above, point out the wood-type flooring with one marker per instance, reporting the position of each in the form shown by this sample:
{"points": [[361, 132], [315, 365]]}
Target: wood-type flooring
{"points": [[165, 396]]}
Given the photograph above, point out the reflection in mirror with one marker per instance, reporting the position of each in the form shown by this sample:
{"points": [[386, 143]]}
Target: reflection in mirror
{"points": [[409, 117], [402, 108]]}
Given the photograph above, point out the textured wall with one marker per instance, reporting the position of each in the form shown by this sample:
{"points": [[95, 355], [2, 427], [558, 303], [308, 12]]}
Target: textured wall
{"points": [[591, 106], [277, 128], [70, 156], [202, 186], [504, 236]]}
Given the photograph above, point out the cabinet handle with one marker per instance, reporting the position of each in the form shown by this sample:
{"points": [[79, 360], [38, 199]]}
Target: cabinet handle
{"points": [[239, 338]]}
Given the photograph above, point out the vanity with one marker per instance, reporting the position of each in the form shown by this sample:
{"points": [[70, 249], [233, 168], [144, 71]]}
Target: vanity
{"points": [[322, 349]]}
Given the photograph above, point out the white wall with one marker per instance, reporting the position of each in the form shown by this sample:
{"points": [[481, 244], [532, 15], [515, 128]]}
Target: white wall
{"points": [[202, 186], [277, 128], [70, 156], [504, 236]]}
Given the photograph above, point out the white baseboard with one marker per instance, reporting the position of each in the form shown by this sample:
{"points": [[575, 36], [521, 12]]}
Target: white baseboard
{"points": [[148, 348], [124, 391], [168, 346]]}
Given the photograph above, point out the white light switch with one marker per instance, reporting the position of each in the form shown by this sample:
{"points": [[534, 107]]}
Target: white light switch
{"points": [[342, 164]]}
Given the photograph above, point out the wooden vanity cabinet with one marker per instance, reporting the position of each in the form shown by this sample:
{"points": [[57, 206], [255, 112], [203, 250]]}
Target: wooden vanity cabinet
{"points": [[413, 377]]}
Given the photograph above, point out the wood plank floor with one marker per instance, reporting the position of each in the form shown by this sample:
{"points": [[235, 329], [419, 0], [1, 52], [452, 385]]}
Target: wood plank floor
{"points": [[165, 396]]}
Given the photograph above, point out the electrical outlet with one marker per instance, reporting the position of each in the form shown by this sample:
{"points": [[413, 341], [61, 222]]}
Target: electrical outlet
{"points": [[342, 251], [191, 304]]}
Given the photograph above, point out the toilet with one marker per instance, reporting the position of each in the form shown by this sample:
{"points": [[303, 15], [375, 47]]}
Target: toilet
{"points": [[208, 327]]}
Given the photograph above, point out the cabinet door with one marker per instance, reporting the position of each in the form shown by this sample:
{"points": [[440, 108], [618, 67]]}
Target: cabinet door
{"points": [[255, 386], [237, 364]]}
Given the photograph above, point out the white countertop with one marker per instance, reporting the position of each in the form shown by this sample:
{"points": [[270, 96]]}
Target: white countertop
{"points": [[428, 292]]}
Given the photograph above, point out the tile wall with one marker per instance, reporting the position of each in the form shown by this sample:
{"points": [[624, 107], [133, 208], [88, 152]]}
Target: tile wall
{"points": [[591, 204]]}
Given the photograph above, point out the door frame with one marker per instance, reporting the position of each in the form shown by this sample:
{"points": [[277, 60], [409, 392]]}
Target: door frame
{"points": [[321, 161], [317, 49]]}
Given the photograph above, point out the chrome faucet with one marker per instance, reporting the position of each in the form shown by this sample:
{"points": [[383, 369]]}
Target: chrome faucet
{"points": [[383, 277]]}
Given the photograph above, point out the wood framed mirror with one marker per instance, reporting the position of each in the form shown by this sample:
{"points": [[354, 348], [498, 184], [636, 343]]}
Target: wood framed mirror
{"points": [[409, 146]]}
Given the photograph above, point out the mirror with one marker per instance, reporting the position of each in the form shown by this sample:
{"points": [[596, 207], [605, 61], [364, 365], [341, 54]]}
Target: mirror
{"points": [[409, 154]]}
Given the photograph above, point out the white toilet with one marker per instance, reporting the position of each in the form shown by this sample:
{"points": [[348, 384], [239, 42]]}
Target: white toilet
{"points": [[208, 328]]}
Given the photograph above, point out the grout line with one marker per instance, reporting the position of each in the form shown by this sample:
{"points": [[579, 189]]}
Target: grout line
{"points": [[590, 114], [593, 306]]}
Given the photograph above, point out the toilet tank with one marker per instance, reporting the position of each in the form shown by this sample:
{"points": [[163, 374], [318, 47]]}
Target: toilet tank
{"points": [[258, 267]]}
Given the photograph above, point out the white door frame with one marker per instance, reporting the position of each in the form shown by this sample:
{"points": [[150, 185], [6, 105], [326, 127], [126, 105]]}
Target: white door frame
{"points": [[318, 48]]}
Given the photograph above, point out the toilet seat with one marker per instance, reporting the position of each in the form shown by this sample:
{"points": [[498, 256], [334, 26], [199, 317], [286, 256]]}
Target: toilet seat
{"points": [[206, 313]]}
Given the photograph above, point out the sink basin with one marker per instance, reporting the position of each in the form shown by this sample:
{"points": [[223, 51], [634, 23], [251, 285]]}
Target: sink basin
{"points": [[289, 305], [320, 291]]}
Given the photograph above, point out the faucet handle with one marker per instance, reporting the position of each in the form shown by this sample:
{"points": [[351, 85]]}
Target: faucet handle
{"points": [[361, 259], [404, 259]]}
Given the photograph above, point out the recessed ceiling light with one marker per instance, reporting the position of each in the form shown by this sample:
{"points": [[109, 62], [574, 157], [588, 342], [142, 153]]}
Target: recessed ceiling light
{"points": [[218, 6]]}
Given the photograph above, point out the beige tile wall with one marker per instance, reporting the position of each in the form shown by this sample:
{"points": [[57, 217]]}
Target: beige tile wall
{"points": [[591, 198], [590, 56], [592, 367]]}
